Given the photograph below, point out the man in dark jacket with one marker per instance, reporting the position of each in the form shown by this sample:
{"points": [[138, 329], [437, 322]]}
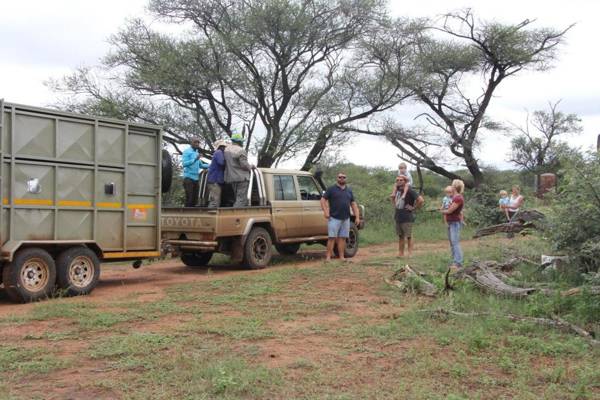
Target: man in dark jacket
{"points": [[237, 170], [216, 174]]}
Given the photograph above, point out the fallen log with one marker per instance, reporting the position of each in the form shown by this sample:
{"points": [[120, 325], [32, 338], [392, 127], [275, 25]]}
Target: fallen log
{"points": [[409, 280], [555, 322], [520, 221], [490, 282]]}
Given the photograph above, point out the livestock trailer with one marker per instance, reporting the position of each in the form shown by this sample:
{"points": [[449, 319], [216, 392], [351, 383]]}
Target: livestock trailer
{"points": [[75, 190]]}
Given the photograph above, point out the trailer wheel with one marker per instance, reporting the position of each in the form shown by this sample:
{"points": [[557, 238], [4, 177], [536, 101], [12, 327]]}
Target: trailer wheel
{"points": [[78, 270], [196, 259], [258, 248], [288, 249], [30, 276], [351, 243], [166, 172]]}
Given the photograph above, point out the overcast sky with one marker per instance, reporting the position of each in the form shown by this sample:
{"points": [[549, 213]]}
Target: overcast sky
{"points": [[43, 39]]}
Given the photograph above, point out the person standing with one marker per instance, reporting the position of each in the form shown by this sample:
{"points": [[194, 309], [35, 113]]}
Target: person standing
{"points": [[216, 174], [237, 170], [404, 213], [454, 220], [336, 204], [191, 163]]}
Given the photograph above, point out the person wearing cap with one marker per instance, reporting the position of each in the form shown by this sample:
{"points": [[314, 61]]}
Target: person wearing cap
{"points": [[237, 170], [216, 174], [191, 163]]}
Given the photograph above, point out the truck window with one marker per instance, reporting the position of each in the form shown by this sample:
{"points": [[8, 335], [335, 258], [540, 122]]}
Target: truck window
{"points": [[285, 188], [308, 188]]}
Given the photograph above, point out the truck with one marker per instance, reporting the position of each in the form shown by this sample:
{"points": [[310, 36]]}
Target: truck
{"points": [[78, 190], [75, 190], [284, 210]]}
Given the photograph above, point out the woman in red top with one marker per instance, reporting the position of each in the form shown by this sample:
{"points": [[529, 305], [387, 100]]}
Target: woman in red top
{"points": [[454, 219]]}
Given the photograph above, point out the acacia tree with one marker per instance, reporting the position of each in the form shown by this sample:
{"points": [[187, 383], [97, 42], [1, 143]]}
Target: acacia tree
{"points": [[469, 51], [535, 148]]}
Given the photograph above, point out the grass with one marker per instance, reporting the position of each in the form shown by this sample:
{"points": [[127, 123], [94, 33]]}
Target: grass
{"points": [[330, 331]]}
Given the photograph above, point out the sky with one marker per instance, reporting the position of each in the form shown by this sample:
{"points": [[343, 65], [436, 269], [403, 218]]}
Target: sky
{"points": [[48, 39]]}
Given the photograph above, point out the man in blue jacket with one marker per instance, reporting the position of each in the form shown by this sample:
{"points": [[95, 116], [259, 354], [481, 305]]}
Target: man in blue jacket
{"points": [[216, 174], [190, 160]]}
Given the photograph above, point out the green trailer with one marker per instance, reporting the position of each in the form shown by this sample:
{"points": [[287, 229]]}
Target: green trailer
{"points": [[75, 190]]}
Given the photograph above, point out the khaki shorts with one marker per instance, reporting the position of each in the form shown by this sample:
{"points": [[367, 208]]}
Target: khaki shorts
{"points": [[404, 229]]}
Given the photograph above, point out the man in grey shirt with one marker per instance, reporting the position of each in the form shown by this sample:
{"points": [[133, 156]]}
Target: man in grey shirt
{"points": [[237, 170]]}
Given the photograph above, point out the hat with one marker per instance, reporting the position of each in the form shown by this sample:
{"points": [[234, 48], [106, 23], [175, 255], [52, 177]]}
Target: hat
{"points": [[219, 143], [237, 138]]}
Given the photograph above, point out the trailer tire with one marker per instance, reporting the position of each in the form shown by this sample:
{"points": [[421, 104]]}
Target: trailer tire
{"points": [[196, 259], [351, 243], [166, 172], [258, 248], [288, 249], [77, 271], [30, 276]]}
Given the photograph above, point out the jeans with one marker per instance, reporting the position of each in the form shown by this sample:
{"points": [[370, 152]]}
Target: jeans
{"points": [[214, 195], [240, 190], [454, 238], [191, 187]]}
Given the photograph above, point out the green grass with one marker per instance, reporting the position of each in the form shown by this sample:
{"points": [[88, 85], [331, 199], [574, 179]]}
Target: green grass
{"points": [[329, 331]]}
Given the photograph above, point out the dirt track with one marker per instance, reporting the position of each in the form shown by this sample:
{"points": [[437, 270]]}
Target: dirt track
{"points": [[120, 280]]}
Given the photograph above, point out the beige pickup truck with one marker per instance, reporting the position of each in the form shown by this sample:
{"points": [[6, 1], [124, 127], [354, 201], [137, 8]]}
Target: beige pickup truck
{"points": [[284, 211]]}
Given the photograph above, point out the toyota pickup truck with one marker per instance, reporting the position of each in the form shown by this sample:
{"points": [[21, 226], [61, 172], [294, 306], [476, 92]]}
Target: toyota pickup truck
{"points": [[284, 211]]}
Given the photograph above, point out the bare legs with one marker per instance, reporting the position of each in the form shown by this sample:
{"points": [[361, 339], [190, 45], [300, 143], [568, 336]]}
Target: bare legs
{"points": [[341, 246], [409, 246]]}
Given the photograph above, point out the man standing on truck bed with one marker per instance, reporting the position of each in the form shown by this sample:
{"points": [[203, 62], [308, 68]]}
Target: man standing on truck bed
{"points": [[237, 170], [336, 203], [216, 174], [191, 162]]}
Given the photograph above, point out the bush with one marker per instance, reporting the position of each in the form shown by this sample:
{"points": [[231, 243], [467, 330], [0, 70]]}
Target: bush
{"points": [[574, 221]]}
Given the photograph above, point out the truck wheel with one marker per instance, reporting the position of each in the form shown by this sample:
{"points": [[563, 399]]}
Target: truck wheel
{"points": [[258, 248], [30, 276], [196, 259], [289, 249], [77, 271], [351, 243], [166, 172]]}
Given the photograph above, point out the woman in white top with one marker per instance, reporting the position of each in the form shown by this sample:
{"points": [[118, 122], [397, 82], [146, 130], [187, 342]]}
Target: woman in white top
{"points": [[516, 201]]}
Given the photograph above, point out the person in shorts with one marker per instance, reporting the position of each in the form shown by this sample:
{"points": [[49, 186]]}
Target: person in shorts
{"points": [[404, 214], [336, 204]]}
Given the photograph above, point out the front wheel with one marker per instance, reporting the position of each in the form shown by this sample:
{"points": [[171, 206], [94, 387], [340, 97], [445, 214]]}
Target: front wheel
{"points": [[196, 259], [258, 248], [78, 271], [30, 276], [351, 243]]}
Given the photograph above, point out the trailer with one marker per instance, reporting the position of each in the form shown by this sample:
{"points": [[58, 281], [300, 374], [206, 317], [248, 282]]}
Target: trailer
{"points": [[75, 190]]}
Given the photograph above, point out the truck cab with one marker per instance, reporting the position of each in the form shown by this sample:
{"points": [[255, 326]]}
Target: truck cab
{"points": [[284, 210]]}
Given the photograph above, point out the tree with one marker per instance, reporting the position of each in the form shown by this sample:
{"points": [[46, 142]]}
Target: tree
{"points": [[535, 148], [469, 51], [287, 73]]}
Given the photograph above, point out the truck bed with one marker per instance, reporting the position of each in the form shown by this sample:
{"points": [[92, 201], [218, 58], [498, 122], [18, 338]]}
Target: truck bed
{"points": [[207, 225]]}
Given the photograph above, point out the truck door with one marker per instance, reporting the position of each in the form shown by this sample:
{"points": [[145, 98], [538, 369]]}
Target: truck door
{"points": [[287, 208], [313, 222]]}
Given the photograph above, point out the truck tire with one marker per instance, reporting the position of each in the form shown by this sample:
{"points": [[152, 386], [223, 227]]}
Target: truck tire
{"points": [[288, 249], [196, 259], [258, 248], [166, 172], [77, 271], [30, 276], [351, 243]]}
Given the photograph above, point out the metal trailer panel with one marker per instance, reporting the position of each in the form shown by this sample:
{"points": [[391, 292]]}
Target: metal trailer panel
{"points": [[69, 177]]}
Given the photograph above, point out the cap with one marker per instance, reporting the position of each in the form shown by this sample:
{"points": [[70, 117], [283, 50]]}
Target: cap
{"points": [[237, 138], [219, 143]]}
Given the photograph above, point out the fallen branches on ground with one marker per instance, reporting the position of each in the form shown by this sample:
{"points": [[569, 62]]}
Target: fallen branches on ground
{"points": [[555, 322], [522, 220], [409, 280]]}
